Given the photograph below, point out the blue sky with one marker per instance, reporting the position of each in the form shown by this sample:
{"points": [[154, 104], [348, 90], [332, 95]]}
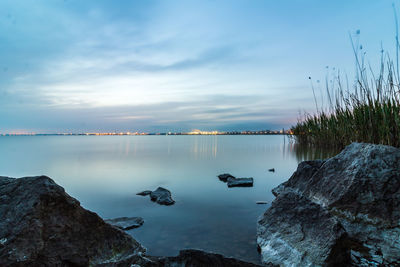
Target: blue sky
{"points": [[175, 65]]}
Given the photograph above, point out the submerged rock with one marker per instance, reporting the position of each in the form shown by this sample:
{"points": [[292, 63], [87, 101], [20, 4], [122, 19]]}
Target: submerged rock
{"points": [[224, 177], [126, 223], [242, 182], [162, 196], [232, 181], [41, 225], [339, 212], [144, 193]]}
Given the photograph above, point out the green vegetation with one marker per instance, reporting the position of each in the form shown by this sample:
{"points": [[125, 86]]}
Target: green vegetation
{"points": [[368, 112]]}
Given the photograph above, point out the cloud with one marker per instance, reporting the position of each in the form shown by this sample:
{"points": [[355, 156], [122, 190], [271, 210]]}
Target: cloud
{"points": [[222, 112], [158, 65]]}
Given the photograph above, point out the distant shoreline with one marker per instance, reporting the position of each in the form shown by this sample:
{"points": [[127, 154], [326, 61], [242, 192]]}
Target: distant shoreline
{"points": [[141, 134]]}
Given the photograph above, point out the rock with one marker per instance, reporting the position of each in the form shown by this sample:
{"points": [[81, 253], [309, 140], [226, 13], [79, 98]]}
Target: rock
{"points": [[126, 223], [191, 258], [271, 170], [144, 193], [224, 177], [242, 182], [293, 223], [162, 196], [195, 258], [339, 212], [232, 181], [261, 202], [41, 225]]}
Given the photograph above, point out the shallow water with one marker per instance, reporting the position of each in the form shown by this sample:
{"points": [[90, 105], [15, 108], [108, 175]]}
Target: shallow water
{"points": [[105, 172]]}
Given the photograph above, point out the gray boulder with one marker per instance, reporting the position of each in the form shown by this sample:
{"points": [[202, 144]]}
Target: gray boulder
{"points": [[339, 212], [126, 223], [41, 225]]}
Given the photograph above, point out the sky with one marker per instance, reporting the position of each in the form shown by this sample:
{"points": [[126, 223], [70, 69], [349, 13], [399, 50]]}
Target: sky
{"points": [[176, 65]]}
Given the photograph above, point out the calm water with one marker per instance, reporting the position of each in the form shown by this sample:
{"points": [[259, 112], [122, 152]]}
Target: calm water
{"points": [[106, 172]]}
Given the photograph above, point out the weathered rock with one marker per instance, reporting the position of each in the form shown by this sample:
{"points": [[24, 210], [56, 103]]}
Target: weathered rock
{"points": [[41, 225], [342, 211], [293, 224], [162, 196], [126, 223], [224, 177], [189, 258], [240, 182], [144, 193]]}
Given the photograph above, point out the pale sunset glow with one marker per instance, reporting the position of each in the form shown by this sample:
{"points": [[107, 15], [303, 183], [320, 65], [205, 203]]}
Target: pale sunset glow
{"points": [[172, 65]]}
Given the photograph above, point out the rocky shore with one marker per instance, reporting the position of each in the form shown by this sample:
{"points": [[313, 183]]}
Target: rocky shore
{"points": [[343, 211]]}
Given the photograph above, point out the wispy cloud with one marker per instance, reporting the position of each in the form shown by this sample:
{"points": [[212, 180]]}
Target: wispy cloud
{"points": [[88, 65]]}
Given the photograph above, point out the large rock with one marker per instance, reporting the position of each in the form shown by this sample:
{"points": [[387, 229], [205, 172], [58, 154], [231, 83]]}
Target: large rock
{"points": [[338, 212], [41, 225]]}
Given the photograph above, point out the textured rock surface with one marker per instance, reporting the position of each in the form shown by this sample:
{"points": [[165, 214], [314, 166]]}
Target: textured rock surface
{"points": [[342, 211], [240, 182], [126, 223], [188, 258], [162, 196], [41, 225]]}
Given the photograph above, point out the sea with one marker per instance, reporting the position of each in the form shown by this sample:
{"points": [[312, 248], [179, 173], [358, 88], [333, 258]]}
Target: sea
{"points": [[105, 172]]}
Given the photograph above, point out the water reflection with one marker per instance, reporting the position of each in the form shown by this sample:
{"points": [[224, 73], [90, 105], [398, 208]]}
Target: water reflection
{"points": [[309, 152], [203, 147]]}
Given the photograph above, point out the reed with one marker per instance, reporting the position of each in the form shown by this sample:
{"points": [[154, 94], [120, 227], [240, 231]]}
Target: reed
{"points": [[367, 112]]}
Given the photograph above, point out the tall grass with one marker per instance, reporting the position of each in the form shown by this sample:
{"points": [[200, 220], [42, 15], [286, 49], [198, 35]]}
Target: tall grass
{"points": [[369, 111]]}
